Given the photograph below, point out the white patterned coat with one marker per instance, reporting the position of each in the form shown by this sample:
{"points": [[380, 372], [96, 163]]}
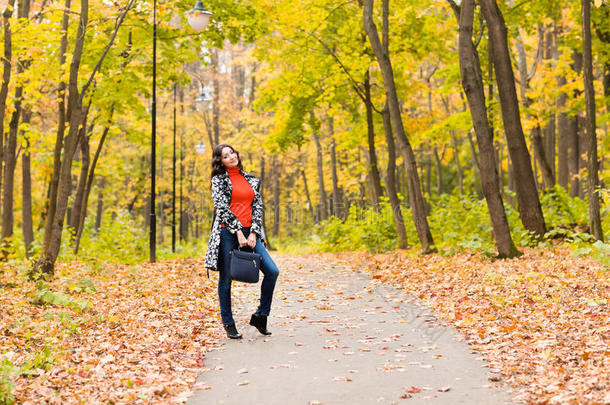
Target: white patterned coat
{"points": [[222, 190]]}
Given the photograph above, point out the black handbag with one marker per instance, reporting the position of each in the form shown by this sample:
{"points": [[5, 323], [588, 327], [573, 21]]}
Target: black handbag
{"points": [[244, 266]]}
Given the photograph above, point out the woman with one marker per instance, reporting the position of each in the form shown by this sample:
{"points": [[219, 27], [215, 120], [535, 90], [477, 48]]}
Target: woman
{"points": [[237, 223]]}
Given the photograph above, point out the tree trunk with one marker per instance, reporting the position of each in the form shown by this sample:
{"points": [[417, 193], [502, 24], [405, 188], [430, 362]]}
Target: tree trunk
{"points": [[428, 189], [574, 145], [390, 182], [562, 138], [548, 132], [439, 171], [309, 204], [78, 204], [538, 143], [276, 197], [99, 212], [54, 223], [415, 196], [6, 73], [49, 213], [476, 167], [595, 224], [375, 177], [262, 192], [456, 146], [10, 162], [500, 158], [323, 212], [530, 210], [216, 99], [89, 184], [337, 205], [10, 158], [472, 82], [26, 190]]}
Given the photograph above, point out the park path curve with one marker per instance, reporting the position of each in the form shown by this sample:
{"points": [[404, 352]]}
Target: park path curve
{"points": [[341, 338]]}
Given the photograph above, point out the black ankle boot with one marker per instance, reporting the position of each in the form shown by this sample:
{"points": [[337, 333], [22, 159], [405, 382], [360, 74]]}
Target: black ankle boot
{"points": [[232, 331], [260, 323]]}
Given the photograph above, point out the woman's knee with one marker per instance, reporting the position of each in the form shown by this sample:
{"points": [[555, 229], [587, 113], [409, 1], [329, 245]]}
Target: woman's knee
{"points": [[272, 270]]}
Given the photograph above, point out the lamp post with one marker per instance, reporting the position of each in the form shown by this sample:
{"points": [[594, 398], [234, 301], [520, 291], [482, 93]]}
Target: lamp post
{"points": [[198, 18], [153, 218], [174, 179]]}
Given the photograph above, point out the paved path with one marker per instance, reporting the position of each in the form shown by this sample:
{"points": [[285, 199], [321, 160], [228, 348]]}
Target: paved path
{"points": [[341, 338]]}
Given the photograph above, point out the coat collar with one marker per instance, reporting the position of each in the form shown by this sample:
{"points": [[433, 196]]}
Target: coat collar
{"points": [[250, 178]]}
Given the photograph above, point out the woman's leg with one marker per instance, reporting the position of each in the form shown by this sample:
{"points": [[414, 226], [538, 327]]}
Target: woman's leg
{"points": [[228, 242], [271, 273]]}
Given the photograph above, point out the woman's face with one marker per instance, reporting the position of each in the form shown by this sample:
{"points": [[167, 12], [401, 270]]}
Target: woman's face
{"points": [[229, 157]]}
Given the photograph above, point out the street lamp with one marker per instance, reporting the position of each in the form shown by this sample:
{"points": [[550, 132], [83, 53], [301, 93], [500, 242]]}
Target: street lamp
{"points": [[198, 18], [200, 148], [204, 96]]}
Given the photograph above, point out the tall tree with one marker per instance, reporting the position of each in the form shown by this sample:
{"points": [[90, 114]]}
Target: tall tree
{"points": [[595, 223], [370, 130], [62, 168], [530, 210], [26, 189], [472, 82], [540, 146], [10, 149], [416, 198], [7, 66], [390, 181], [323, 212]]}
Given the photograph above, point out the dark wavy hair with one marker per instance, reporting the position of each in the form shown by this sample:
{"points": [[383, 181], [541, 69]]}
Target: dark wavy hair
{"points": [[217, 166]]}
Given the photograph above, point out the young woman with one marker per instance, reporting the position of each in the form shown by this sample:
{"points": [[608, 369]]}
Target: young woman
{"points": [[237, 223]]}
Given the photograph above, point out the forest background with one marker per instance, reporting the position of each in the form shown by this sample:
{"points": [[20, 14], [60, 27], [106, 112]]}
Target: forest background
{"points": [[444, 126], [297, 90]]}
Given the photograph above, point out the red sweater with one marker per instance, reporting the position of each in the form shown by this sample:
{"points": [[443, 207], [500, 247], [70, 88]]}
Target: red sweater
{"points": [[241, 197]]}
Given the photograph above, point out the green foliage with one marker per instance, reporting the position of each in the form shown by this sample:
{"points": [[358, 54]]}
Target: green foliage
{"points": [[41, 360], [599, 251], [459, 224], [7, 373], [363, 229], [43, 295], [82, 285], [119, 240], [561, 209]]}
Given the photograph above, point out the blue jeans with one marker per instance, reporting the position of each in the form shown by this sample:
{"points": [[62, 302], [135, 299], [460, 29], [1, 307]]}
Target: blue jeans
{"points": [[270, 271]]}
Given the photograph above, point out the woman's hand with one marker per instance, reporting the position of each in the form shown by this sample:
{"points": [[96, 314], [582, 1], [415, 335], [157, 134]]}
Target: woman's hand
{"points": [[241, 239], [252, 240]]}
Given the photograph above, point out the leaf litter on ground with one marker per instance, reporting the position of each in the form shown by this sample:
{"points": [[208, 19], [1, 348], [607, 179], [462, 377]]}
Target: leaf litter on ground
{"points": [[142, 338], [541, 320]]}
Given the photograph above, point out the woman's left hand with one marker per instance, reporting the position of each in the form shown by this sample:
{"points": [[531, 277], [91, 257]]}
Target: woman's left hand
{"points": [[251, 240]]}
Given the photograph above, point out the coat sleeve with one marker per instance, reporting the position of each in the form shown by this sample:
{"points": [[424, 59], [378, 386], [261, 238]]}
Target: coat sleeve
{"points": [[222, 206], [257, 213]]}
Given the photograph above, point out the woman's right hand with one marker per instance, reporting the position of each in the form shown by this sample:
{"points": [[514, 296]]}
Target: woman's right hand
{"points": [[241, 239]]}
